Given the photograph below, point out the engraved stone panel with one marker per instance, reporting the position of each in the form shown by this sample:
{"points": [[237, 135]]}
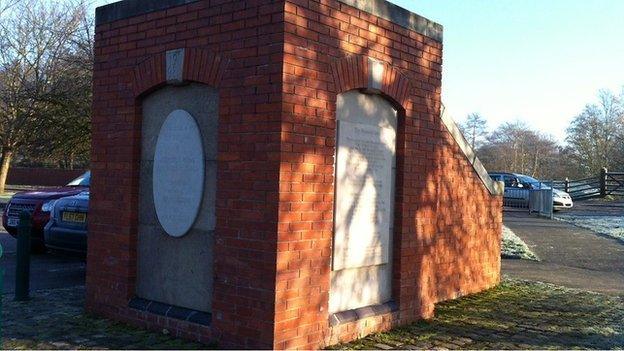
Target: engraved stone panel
{"points": [[178, 270], [363, 194], [364, 203], [178, 173]]}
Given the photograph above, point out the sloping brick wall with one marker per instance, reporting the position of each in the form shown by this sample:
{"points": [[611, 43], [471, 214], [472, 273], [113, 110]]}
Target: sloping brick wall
{"points": [[448, 240], [279, 66]]}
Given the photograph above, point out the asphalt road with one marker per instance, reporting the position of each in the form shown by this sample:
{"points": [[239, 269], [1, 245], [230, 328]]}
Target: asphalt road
{"points": [[597, 207], [47, 271], [570, 256]]}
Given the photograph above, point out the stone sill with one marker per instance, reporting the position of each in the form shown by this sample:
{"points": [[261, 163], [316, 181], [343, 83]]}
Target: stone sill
{"points": [[353, 315], [170, 311]]}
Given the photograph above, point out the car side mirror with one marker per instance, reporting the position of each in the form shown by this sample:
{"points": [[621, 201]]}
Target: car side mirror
{"points": [[520, 185]]}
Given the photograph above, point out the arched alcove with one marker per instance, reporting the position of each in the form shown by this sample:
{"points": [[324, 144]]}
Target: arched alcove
{"points": [[364, 201], [177, 269]]}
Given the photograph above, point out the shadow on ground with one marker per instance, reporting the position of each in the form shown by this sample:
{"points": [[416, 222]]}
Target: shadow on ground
{"points": [[47, 271], [55, 319], [569, 255], [515, 315]]}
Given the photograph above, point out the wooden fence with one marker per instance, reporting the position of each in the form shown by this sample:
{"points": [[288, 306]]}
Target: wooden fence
{"points": [[606, 183]]}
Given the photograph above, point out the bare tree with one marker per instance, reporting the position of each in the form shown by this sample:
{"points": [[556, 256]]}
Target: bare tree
{"points": [[64, 135], [6, 5], [474, 129], [36, 38], [595, 136], [514, 147]]}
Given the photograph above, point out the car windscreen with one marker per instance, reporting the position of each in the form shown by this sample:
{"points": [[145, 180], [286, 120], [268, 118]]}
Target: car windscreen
{"points": [[534, 182], [83, 180]]}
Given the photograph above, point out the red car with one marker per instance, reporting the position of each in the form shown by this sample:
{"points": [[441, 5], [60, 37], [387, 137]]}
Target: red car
{"points": [[39, 204]]}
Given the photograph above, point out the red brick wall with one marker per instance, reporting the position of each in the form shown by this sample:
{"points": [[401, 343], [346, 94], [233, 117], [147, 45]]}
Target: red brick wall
{"points": [[246, 37], [448, 240], [279, 66]]}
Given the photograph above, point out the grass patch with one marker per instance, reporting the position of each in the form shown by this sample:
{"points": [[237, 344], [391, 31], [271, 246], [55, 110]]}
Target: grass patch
{"points": [[610, 226], [514, 315], [55, 319], [514, 247]]}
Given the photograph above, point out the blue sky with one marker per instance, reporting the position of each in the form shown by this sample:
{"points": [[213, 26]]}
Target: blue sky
{"points": [[537, 61]]}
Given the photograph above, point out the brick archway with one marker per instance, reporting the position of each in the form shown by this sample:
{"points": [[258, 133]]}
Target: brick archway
{"points": [[177, 66], [363, 72]]}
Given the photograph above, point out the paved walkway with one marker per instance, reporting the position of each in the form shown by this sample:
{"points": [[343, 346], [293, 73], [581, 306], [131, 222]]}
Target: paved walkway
{"points": [[570, 256], [47, 271], [55, 319], [514, 315]]}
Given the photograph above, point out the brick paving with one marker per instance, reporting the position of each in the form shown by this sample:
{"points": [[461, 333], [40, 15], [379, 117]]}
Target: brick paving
{"points": [[55, 319], [516, 314]]}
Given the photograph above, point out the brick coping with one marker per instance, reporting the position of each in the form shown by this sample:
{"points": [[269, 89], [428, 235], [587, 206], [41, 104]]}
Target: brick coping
{"points": [[131, 8], [495, 188], [403, 17], [380, 8]]}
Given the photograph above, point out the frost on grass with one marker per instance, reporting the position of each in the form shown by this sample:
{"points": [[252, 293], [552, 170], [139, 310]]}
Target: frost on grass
{"points": [[612, 226], [514, 247]]}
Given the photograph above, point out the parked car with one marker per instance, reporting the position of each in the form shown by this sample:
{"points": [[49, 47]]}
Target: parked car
{"points": [[515, 183], [39, 204], [67, 228]]}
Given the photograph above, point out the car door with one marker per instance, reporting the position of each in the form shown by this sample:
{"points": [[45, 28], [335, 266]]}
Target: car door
{"points": [[515, 194]]}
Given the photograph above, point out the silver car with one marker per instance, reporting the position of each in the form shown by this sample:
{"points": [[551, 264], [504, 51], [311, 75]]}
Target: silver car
{"points": [[67, 228], [517, 188]]}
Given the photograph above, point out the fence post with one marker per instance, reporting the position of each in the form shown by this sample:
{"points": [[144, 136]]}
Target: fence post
{"points": [[1, 291], [22, 269], [603, 182], [566, 185], [551, 205]]}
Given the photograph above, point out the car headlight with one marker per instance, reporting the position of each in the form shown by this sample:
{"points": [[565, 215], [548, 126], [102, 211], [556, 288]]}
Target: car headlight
{"points": [[48, 206]]}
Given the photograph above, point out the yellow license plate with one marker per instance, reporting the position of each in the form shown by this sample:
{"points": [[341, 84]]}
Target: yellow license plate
{"points": [[74, 217]]}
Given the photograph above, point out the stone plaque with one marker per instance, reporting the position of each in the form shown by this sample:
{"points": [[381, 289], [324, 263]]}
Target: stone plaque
{"points": [[364, 164], [178, 173]]}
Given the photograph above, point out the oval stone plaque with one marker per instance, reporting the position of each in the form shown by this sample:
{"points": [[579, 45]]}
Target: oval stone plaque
{"points": [[178, 173]]}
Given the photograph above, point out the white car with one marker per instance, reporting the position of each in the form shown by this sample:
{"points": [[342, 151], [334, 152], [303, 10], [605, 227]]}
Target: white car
{"points": [[561, 200], [517, 188]]}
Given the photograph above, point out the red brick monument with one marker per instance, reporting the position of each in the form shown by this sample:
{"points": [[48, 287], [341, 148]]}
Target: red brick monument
{"points": [[278, 174]]}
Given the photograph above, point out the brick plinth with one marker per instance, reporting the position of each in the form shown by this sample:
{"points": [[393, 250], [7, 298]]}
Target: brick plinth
{"points": [[278, 67]]}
